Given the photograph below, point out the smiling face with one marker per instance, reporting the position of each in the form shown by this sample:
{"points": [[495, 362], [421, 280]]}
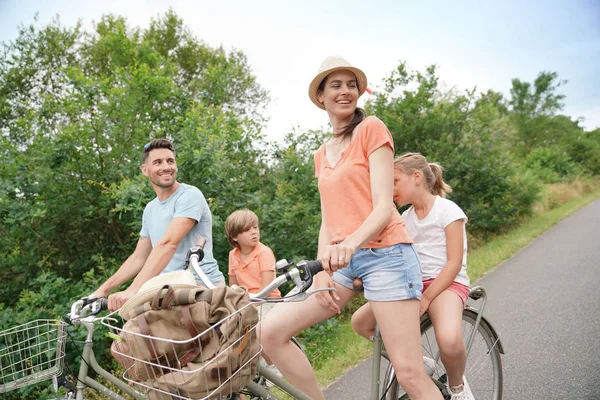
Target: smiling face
{"points": [[339, 94], [161, 168]]}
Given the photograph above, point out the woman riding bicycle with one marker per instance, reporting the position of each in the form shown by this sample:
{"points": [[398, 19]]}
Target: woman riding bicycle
{"points": [[362, 236]]}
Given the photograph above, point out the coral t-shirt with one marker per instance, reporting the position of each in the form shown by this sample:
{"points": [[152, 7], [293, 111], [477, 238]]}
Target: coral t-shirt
{"points": [[345, 188], [249, 273]]}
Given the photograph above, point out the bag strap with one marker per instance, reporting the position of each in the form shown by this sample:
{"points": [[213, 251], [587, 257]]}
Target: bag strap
{"points": [[157, 304], [189, 355], [179, 297], [243, 342], [145, 330]]}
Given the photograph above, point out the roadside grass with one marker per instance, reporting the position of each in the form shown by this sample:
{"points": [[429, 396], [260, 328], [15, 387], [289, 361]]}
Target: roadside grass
{"points": [[346, 349]]}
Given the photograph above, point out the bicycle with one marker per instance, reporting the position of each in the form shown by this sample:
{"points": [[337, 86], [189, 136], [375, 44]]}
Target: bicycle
{"points": [[483, 344], [84, 313]]}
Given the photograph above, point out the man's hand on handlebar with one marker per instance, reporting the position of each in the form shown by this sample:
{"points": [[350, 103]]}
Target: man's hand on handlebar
{"points": [[116, 301]]}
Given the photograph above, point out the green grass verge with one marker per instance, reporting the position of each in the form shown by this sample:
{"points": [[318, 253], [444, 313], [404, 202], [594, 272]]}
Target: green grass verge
{"points": [[350, 348]]}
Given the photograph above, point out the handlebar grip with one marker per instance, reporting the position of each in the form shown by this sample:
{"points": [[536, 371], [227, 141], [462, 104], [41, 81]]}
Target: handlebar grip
{"points": [[308, 269], [197, 250], [314, 266]]}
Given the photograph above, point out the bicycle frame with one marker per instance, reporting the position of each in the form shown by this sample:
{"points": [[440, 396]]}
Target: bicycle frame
{"points": [[88, 360]]}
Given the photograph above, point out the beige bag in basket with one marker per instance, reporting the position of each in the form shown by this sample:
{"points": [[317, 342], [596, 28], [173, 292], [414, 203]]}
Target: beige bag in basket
{"points": [[216, 336]]}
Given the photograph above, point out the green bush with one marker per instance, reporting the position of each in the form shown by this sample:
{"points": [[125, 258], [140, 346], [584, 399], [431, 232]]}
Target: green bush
{"points": [[586, 152], [488, 189], [550, 164]]}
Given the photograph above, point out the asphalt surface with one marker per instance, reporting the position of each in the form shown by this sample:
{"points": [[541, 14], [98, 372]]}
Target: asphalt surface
{"points": [[545, 304]]}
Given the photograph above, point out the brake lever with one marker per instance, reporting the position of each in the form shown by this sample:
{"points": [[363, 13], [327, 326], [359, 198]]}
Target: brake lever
{"points": [[305, 295], [87, 306]]}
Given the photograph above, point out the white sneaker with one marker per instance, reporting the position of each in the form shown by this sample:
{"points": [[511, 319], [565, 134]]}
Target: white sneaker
{"points": [[271, 368], [465, 394], [429, 366]]}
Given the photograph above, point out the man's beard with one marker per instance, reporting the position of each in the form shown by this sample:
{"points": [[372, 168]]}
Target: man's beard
{"points": [[164, 185]]}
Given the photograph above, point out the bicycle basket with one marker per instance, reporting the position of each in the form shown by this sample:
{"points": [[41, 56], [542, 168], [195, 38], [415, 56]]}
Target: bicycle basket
{"points": [[31, 353], [219, 360]]}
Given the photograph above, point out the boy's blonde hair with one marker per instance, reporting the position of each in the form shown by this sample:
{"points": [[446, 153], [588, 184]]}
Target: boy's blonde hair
{"points": [[239, 222], [411, 162]]}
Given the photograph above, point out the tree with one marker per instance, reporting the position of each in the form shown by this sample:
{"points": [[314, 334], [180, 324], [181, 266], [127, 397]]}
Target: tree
{"points": [[466, 134], [532, 107], [75, 111]]}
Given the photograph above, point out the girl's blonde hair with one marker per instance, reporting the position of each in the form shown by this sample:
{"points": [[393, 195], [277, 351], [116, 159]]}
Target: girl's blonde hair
{"points": [[239, 222], [411, 162]]}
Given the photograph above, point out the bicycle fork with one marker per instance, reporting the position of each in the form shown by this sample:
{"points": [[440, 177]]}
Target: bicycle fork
{"points": [[88, 360]]}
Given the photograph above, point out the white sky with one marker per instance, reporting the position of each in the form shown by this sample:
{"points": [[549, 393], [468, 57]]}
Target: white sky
{"points": [[474, 43]]}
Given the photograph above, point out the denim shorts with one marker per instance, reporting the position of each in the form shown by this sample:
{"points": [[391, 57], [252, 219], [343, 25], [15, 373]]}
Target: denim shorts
{"points": [[388, 273]]}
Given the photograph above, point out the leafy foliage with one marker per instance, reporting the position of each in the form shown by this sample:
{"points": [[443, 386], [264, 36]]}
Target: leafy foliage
{"points": [[76, 110], [550, 164], [463, 132]]}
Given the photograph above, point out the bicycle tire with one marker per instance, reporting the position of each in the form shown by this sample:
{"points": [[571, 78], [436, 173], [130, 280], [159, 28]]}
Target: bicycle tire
{"points": [[483, 361]]}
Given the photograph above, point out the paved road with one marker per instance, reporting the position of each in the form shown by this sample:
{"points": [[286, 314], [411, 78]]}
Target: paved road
{"points": [[545, 303]]}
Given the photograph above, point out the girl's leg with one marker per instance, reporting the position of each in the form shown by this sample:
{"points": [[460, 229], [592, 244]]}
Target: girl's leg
{"points": [[399, 325], [363, 322], [446, 315], [285, 321]]}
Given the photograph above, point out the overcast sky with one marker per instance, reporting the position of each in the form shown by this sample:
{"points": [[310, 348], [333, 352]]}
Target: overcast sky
{"points": [[474, 43]]}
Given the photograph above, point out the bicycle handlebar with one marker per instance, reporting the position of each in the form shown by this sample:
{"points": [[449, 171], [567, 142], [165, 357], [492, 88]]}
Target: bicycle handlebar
{"points": [[300, 273], [87, 306]]}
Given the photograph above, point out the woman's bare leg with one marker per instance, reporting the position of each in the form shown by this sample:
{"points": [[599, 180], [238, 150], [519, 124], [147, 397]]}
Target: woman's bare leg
{"points": [[285, 321], [398, 322]]}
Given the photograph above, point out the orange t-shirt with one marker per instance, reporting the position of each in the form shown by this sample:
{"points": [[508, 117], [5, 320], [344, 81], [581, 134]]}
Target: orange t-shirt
{"points": [[249, 274], [345, 188]]}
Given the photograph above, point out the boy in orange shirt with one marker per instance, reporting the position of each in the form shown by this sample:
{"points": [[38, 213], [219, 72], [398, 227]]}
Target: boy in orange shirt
{"points": [[251, 263]]}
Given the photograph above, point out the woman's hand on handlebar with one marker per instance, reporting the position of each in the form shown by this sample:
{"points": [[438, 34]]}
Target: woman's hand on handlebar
{"points": [[326, 299], [336, 256]]}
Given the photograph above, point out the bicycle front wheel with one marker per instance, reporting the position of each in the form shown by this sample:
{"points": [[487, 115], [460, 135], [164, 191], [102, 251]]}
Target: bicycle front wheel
{"points": [[484, 366]]}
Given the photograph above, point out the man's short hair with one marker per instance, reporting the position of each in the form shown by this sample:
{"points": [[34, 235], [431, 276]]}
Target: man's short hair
{"points": [[156, 144], [239, 222]]}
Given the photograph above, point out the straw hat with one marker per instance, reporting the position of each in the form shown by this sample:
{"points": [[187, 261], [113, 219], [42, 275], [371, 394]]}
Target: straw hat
{"points": [[331, 64], [176, 279]]}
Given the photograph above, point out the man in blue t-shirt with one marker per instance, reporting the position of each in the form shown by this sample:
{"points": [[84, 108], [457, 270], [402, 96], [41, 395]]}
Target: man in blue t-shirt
{"points": [[171, 223]]}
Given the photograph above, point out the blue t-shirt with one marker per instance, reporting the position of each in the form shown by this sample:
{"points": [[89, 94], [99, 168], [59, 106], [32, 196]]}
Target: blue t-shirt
{"points": [[189, 202]]}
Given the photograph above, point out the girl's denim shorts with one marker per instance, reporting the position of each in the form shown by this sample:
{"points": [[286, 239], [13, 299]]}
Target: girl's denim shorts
{"points": [[388, 273]]}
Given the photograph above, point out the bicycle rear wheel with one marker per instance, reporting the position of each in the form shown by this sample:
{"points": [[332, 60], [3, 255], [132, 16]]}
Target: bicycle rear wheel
{"points": [[484, 366]]}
